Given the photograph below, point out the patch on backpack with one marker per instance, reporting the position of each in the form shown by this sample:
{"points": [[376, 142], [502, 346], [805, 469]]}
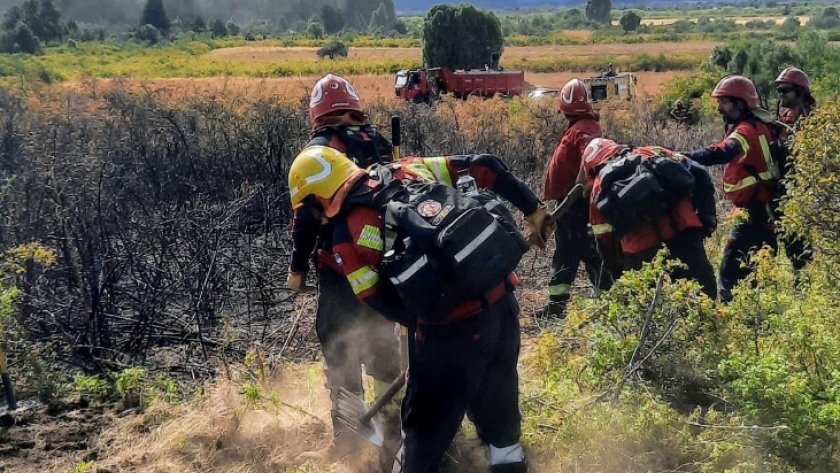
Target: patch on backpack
{"points": [[442, 215], [428, 208]]}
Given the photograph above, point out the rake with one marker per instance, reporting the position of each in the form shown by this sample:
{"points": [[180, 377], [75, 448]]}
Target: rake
{"points": [[353, 412]]}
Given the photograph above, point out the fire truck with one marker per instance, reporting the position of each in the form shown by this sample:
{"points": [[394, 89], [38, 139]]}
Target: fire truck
{"points": [[422, 84], [605, 87]]}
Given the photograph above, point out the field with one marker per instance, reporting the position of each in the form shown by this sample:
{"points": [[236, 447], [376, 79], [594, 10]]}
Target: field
{"points": [[369, 86], [292, 88], [741, 20], [511, 53]]}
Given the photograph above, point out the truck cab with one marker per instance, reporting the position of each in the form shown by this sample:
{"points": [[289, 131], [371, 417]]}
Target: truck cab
{"points": [[411, 85]]}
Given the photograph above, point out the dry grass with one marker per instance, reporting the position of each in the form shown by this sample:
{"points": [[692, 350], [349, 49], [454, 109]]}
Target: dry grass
{"points": [[220, 431], [511, 53], [739, 20], [293, 89]]}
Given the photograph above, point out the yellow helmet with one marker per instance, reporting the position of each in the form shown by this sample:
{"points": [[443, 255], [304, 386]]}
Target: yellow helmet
{"points": [[322, 172]]}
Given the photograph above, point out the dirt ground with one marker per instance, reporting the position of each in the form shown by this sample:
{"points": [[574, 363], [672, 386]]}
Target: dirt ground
{"points": [[51, 437]]}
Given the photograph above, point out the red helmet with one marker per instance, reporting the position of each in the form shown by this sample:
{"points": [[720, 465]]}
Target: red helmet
{"points": [[738, 87], [597, 152], [794, 76], [574, 99], [332, 93]]}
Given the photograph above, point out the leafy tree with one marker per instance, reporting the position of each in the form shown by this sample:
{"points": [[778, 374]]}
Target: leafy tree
{"points": [[21, 39], [357, 13], [198, 25], [400, 27], [218, 29], [233, 28], [379, 18], [41, 17], [460, 37], [333, 49], [830, 12], [148, 33], [630, 21], [12, 17], [314, 30], [49, 23], [331, 18], [598, 11], [155, 15]]}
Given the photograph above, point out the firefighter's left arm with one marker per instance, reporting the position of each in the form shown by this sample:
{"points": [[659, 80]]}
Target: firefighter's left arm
{"points": [[357, 246], [718, 153]]}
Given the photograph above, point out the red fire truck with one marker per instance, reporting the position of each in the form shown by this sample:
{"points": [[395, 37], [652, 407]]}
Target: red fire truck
{"points": [[419, 85]]}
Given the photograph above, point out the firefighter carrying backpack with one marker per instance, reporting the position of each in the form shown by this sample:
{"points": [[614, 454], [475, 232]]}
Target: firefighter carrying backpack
{"points": [[636, 190], [449, 249]]}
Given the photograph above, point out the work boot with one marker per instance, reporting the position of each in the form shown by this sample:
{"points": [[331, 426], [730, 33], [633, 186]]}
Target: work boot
{"points": [[553, 310], [518, 467]]}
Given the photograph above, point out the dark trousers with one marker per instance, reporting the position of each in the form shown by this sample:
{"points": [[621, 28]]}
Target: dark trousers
{"points": [[573, 245], [686, 246], [797, 249], [351, 335], [744, 238], [466, 367]]}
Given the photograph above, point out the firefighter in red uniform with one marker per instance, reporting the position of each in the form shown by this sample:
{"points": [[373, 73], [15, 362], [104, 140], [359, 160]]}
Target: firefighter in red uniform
{"points": [[350, 333], [467, 364], [750, 177], [680, 229], [574, 243], [795, 99], [795, 103]]}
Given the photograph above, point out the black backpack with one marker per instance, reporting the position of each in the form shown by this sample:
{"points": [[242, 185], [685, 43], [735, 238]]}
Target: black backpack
{"points": [[703, 197], [450, 248], [637, 190]]}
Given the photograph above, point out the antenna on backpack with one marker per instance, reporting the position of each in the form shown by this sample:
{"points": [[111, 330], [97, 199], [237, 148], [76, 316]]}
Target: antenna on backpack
{"points": [[395, 136]]}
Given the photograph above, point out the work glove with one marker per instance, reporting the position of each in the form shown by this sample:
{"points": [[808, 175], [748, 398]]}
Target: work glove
{"points": [[540, 227], [297, 283]]}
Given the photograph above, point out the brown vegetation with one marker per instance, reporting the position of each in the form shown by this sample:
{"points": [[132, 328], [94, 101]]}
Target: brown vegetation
{"points": [[294, 89], [511, 53]]}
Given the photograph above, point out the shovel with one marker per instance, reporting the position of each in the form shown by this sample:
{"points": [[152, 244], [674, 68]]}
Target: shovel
{"points": [[12, 406], [353, 412], [571, 199]]}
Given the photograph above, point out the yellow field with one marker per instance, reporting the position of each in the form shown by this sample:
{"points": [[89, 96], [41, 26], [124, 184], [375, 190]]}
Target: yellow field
{"points": [[511, 53], [740, 20]]}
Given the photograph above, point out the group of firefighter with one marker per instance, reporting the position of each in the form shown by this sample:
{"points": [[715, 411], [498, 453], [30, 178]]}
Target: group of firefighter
{"points": [[465, 362]]}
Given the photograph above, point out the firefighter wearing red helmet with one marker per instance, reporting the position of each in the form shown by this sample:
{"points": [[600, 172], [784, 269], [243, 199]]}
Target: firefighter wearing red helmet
{"points": [[795, 103], [795, 99], [750, 176], [350, 334], [680, 229], [574, 244]]}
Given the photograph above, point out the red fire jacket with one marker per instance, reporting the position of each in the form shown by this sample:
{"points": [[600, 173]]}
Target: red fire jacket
{"points": [[565, 163]]}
